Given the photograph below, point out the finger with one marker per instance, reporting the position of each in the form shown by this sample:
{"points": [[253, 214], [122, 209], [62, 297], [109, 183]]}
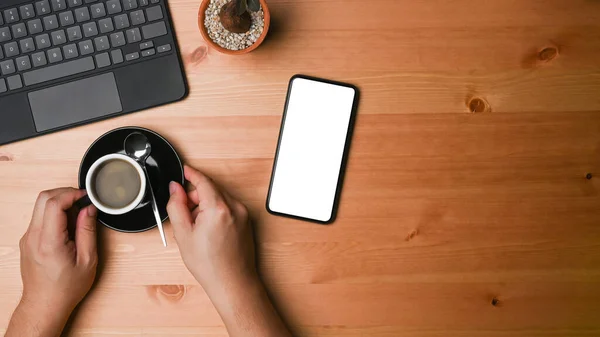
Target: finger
{"points": [[195, 212], [179, 213], [192, 199], [55, 217], [233, 203], [85, 235], [40, 204], [228, 198], [207, 194], [193, 194], [237, 207]]}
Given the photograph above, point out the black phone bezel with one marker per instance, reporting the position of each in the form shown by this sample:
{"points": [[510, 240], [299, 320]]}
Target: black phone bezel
{"points": [[344, 162]]}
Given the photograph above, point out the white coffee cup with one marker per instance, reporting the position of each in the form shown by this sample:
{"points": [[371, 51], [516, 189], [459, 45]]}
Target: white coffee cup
{"points": [[91, 190]]}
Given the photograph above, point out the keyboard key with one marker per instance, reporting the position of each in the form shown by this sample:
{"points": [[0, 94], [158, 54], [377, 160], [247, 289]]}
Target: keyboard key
{"points": [[82, 14], [133, 35], [132, 56], [35, 26], [98, 10], [146, 45], [42, 7], [70, 51], [42, 41], [11, 49], [58, 5], [62, 46], [164, 48], [121, 21], [2, 84], [58, 37], [101, 43], [90, 29], [66, 18], [11, 15], [27, 12], [153, 30], [59, 71], [19, 30], [102, 60], [113, 6], [5, 34], [14, 82], [39, 59], [137, 17], [86, 47], [148, 52], [7, 67], [130, 4], [106, 25], [154, 13], [74, 33], [50, 22], [54, 55], [27, 45], [117, 39], [117, 56], [23, 63]]}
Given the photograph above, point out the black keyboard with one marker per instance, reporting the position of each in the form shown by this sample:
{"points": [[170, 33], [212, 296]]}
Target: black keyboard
{"points": [[48, 40]]}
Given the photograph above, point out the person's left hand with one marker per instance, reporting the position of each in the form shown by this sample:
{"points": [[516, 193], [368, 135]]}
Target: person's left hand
{"points": [[58, 253]]}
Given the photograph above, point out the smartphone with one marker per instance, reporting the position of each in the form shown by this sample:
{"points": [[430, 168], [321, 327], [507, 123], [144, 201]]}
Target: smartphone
{"points": [[312, 150]]}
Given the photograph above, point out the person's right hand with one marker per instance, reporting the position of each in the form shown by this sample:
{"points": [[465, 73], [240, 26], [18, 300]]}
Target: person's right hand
{"points": [[213, 233], [216, 244]]}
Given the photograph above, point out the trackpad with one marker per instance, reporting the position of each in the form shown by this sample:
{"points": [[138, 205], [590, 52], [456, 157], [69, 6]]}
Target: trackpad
{"points": [[75, 102]]}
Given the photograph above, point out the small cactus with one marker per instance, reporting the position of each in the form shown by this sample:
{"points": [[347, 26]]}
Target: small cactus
{"points": [[235, 16], [242, 6]]}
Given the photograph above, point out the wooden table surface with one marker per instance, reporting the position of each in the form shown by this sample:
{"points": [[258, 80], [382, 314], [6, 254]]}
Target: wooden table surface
{"points": [[466, 210]]}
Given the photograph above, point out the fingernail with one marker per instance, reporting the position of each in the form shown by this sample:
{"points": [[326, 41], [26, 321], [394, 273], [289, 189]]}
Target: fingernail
{"points": [[92, 211], [172, 187]]}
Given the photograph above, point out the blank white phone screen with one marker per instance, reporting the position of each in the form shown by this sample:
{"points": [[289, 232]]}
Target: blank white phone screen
{"points": [[311, 149]]}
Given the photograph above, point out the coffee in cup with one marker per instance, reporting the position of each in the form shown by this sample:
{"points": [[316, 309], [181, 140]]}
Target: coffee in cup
{"points": [[116, 184]]}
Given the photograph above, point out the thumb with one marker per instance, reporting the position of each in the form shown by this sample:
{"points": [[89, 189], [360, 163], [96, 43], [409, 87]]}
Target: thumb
{"points": [[85, 234], [177, 208]]}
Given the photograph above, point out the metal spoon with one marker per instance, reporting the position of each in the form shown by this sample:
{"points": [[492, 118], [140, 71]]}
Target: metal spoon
{"points": [[138, 147]]}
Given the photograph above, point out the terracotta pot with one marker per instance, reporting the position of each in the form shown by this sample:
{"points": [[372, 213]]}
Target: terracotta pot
{"points": [[211, 43]]}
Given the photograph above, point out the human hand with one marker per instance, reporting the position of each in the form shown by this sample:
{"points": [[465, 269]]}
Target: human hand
{"points": [[215, 240], [213, 233], [58, 254]]}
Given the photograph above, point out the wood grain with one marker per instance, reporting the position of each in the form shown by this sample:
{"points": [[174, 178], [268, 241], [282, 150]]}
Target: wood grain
{"points": [[452, 223]]}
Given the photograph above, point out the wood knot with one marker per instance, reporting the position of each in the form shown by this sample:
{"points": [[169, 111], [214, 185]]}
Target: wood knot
{"points": [[198, 55], [6, 157], [169, 292], [412, 234], [477, 105], [495, 302], [548, 54], [589, 176]]}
